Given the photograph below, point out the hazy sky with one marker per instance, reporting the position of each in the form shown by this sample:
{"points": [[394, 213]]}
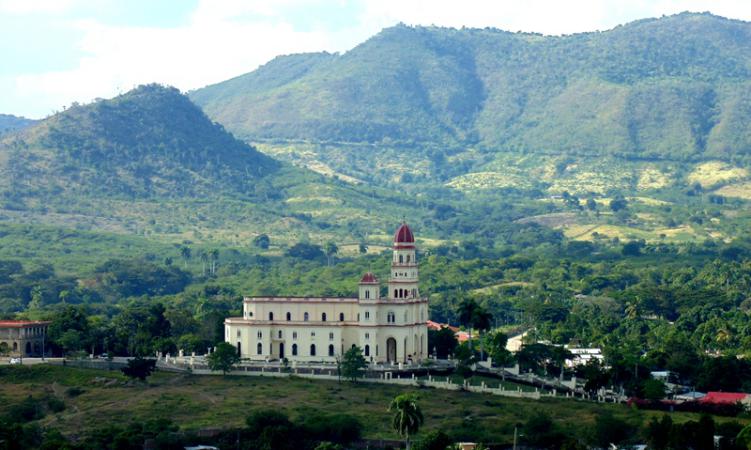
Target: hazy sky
{"points": [[55, 52]]}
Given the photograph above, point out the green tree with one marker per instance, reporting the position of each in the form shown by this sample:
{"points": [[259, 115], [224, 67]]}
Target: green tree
{"points": [[435, 440], [139, 367], [223, 358], [262, 241], [362, 248], [442, 342], [185, 253], [407, 417], [353, 364], [497, 349], [466, 312], [331, 250]]}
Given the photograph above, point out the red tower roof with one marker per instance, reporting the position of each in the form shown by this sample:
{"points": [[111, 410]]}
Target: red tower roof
{"points": [[404, 235], [369, 278]]}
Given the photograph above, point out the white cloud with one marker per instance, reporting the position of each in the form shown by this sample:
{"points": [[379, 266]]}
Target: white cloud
{"points": [[226, 38]]}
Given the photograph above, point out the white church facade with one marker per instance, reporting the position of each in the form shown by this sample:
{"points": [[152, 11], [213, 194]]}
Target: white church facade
{"points": [[387, 329]]}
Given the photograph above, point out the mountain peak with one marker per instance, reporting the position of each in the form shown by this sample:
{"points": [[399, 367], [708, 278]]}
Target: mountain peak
{"points": [[150, 141]]}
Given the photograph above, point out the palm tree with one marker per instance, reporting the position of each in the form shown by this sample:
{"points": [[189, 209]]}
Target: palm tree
{"points": [[482, 320], [214, 258], [407, 416], [466, 312], [185, 253]]}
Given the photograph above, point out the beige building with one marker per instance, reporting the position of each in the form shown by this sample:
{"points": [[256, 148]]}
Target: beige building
{"points": [[387, 329], [23, 338]]}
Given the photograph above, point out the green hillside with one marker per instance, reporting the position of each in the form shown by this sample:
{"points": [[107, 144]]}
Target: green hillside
{"points": [[10, 123], [149, 162], [676, 88]]}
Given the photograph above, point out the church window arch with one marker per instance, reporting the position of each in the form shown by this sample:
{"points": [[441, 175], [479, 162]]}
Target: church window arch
{"points": [[341, 317], [305, 317], [259, 348], [331, 350], [367, 350], [390, 317], [294, 349], [367, 315], [331, 336], [323, 317], [396, 293], [294, 335], [260, 335], [312, 349], [401, 259], [367, 293], [289, 316], [408, 259], [279, 334], [271, 315]]}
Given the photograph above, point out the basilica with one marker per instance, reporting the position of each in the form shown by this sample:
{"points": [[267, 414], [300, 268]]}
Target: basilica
{"points": [[390, 328]]}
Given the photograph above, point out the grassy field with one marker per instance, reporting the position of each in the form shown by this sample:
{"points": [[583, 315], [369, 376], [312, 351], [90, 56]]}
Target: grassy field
{"points": [[198, 402]]}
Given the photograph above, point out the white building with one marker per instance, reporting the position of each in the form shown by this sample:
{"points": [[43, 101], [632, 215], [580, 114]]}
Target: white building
{"points": [[388, 329]]}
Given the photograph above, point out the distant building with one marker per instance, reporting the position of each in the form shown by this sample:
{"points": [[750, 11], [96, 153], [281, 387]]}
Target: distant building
{"points": [[726, 398], [583, 356], [23, 338], [461, 336], [389, 329]]}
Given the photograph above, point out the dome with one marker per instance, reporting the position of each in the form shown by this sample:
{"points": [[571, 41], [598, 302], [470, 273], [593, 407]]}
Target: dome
{"points": [[404, 235], [368, 278]]}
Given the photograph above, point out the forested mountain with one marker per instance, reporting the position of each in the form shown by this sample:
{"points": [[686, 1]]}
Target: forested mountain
{"points": [[677, 87], [150, 142], [10, 123]]}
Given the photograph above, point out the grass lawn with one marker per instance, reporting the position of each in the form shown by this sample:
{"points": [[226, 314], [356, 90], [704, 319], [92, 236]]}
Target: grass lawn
{"points": [[196, 402]]}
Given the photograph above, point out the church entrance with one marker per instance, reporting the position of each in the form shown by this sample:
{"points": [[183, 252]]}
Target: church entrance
{"points": [[281, 350], [391, 350]]}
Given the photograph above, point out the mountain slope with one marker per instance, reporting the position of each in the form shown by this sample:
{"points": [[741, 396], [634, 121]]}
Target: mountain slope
{"points": [[676, 87], [10, 123], [150, 142], [150, 162]]}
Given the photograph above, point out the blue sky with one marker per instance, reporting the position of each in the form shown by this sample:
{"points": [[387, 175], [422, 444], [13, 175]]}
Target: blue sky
{"points": [[55, 52]]}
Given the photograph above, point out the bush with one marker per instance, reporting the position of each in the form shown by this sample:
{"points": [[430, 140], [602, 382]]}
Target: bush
{"points": [[337, 428], [55, 404]]}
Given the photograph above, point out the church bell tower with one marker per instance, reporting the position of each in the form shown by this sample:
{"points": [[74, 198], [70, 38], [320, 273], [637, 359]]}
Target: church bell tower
{"points": [[404, 274]]}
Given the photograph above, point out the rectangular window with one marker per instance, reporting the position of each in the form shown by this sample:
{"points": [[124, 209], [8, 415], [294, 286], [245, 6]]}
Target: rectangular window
{"points": [[331, 336], [294, 335], [312, 334], [367, 335]]}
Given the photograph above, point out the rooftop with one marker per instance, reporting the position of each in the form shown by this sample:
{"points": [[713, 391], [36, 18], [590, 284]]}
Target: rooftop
{"points": [[22, 323]]}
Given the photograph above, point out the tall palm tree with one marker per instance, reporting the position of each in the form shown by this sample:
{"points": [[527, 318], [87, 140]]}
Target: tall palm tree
{"points": [[482, 321], [407, 416], [466, 312], [185, 253]]}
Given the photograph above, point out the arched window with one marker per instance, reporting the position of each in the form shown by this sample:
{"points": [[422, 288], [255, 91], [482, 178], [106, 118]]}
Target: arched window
{"points": [[323, 317], [407, 259], [294, 335], [312, 349], [331, 350], [396, 293], [239, 349], [289, 317], [15, 346], [305, 317], [259, 348], [260, 334], [367, 293], [331, 336], [367, 350], [414, 293], [390, 317], [341, 317], [271, 315], [294, 349], [280, 334], [401, 259], [367, 315]]}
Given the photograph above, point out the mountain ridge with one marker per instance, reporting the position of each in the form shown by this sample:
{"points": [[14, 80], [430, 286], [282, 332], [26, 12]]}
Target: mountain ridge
{"points": [[676, 85]]}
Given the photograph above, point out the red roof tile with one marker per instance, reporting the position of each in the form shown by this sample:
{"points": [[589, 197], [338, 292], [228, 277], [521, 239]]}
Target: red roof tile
{"points": [[404, 235], [723, 397], [369, 278]]}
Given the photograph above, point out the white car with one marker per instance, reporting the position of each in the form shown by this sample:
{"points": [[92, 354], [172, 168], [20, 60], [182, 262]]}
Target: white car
{"points": [[15, 360]]}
